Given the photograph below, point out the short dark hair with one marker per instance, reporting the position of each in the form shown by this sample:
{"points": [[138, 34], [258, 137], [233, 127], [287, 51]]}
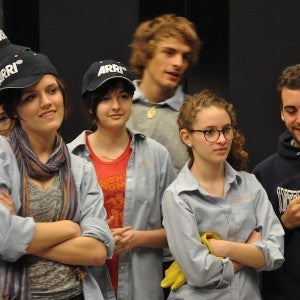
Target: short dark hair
{"points": [[92, 99], [289, 78]]}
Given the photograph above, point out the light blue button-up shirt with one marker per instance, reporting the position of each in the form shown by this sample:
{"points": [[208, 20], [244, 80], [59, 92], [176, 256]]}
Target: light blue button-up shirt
{"points": [[16, 232], [148, 174], [189, 210]]}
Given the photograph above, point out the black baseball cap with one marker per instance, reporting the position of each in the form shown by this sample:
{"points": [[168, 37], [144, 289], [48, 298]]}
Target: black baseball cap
{"points": [[24, 69], [7, 48], [102, 71]]}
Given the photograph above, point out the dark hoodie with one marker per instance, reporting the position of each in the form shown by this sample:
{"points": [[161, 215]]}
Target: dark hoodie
{"points": [[280, 176]]}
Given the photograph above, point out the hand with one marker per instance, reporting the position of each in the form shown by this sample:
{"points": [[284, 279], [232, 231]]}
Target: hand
{"points": [[124, 239], [214, 245], [237, 266], [7, 201], [291, 217], [207, 237], [255, 236]]}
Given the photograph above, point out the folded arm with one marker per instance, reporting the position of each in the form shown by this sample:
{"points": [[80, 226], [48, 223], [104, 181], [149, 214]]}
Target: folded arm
{"points": [[52, 233], [240, 253], [76, 251]]}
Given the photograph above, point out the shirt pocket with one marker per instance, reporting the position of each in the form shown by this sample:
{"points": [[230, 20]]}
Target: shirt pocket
{"points": [[243, 221], [145, 191]]}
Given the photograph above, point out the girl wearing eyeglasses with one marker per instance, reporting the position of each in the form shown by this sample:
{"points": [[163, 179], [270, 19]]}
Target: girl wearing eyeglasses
{"points": [[214, 194]]}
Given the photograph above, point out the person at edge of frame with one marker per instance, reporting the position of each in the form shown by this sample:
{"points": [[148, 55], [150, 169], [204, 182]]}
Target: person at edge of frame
{"points": [[53, 226], [280, 176]]}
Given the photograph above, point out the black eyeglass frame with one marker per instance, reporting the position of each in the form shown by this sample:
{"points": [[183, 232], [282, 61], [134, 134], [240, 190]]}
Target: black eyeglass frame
{"points": [[233, 127]]}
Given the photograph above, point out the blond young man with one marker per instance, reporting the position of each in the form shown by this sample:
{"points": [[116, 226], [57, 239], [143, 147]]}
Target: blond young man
{"points": [[163, 50]]}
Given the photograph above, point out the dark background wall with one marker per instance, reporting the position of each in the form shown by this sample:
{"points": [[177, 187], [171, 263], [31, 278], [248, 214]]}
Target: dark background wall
{"points": [[1, 14], [264, 38], [246, 44]]}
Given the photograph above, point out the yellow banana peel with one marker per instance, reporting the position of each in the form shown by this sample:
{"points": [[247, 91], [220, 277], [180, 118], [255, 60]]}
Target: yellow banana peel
{"points": [[174, 277]]}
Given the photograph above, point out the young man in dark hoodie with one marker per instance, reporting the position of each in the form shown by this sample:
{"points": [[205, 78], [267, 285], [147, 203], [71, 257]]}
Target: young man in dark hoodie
{"points": [[280, 176]]}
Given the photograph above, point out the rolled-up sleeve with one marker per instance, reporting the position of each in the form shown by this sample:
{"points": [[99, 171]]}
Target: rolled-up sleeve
{"points": [[16, 232], [228, 273], [272, 243], [15, 235], [93, 214]]}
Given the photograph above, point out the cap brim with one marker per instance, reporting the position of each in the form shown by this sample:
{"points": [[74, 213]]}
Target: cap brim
{"points": [[95, 86], [11, 49], [23, 82]]}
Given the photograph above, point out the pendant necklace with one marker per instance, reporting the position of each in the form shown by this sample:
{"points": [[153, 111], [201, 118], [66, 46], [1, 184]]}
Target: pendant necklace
{"points": [[151, 112]]}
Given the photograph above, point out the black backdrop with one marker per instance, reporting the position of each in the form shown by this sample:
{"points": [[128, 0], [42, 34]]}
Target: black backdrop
{"points": [[246, 44]]}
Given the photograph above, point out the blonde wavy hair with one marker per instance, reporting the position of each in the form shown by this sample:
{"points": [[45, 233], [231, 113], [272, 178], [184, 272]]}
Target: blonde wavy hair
{"points": [[150, 32]]}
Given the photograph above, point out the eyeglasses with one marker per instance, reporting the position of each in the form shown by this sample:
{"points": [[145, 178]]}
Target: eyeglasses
{"points": [[212, 135]]}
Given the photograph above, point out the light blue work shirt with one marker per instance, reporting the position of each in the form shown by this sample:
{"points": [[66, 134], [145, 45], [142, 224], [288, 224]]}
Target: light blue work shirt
{"points": [[16, 232], [148, 174], [189, 210]]}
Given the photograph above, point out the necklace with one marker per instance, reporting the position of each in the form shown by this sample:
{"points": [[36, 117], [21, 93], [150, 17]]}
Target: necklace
{"points": [[116, 157], [92, 139], [108, 158], [151, 112]]}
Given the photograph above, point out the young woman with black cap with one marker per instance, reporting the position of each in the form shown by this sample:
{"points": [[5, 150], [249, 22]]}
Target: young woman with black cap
{"points": [[56, 226], [133, 171]]}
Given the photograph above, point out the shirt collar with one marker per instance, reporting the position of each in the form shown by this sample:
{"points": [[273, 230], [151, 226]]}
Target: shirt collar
{"points": [[80, 141], [174, 102], [187, 182]]}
